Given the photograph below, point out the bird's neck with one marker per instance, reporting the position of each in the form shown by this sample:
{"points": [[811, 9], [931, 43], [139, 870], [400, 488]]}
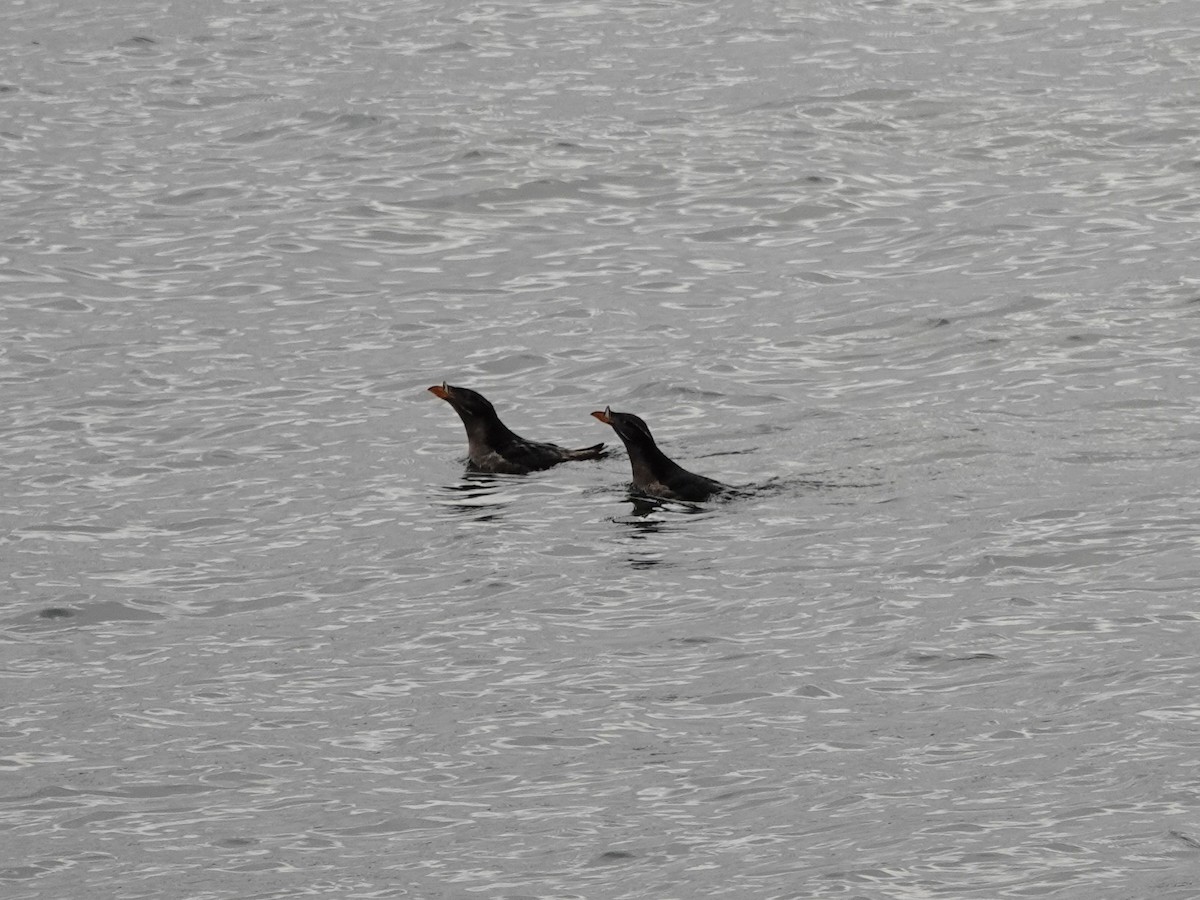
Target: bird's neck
{"points": [[487, 432], [649, 463]]}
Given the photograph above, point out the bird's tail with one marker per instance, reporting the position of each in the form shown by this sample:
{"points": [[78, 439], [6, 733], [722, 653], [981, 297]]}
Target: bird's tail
{"points": [[595, 452]]}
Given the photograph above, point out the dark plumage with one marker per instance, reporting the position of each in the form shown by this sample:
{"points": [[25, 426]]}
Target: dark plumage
{"points": [[655, 473], [493, 447]]}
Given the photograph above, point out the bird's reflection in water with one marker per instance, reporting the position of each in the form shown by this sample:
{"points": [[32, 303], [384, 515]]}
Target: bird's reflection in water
{"points": [[645, 507], [639, 530], [481, 496], [648, 518]]}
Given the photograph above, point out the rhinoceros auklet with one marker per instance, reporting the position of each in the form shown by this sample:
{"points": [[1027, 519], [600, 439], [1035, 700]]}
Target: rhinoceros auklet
{"points": [[493, 447], [655, 473]]}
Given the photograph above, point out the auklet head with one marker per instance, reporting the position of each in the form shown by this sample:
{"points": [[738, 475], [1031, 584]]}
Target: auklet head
{"points": [[468, 403], [629, 428]]}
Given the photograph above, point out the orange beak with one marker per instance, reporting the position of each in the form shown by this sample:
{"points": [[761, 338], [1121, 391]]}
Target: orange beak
{"points": [[440, 390], [604, 416]]}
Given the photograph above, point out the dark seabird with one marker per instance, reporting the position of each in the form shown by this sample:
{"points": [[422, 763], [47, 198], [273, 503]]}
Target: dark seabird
{"points": [[655, 473], [493, 447]]}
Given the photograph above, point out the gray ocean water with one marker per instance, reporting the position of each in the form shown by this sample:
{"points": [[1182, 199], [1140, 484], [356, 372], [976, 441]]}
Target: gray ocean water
{"points": [[922, 276]]}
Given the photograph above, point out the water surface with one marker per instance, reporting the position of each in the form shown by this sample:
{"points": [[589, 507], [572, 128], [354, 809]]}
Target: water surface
{"points": [[917, 275]]}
